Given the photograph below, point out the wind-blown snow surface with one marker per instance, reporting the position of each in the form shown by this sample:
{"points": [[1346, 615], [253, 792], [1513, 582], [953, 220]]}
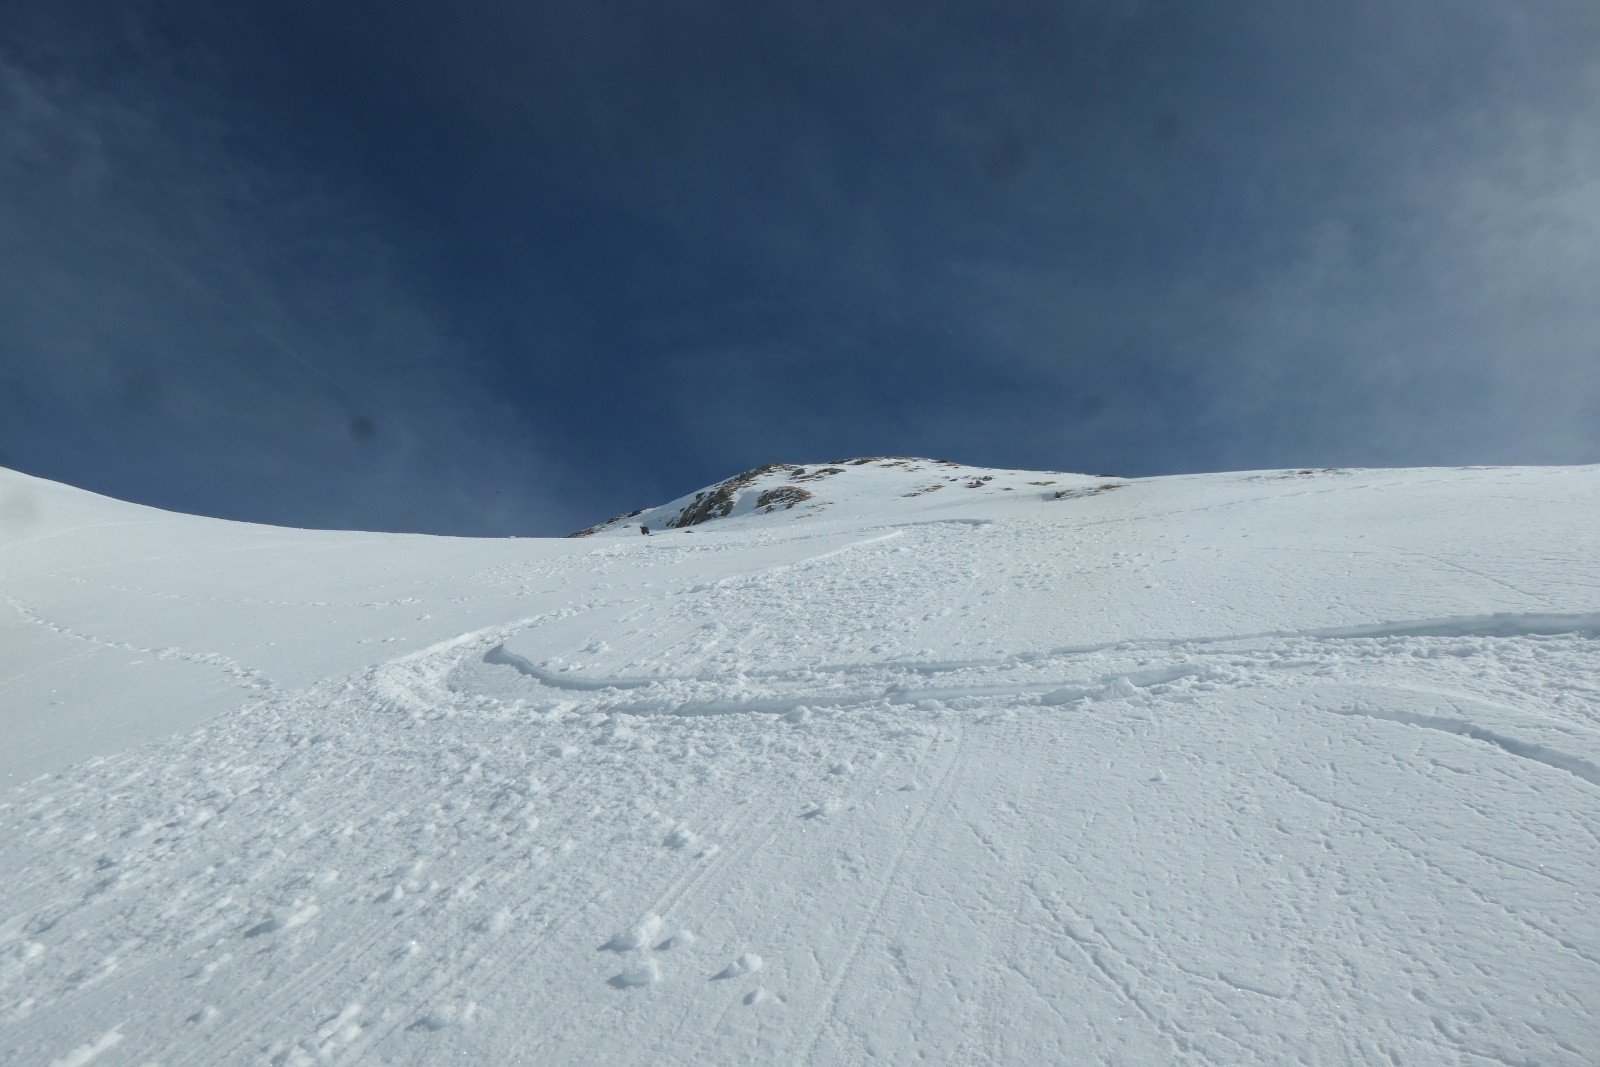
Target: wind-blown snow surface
{"points": [[1245, 768]]}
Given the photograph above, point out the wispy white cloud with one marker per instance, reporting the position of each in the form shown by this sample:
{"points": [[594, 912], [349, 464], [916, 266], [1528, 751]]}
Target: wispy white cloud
{"points": [[1450, 317]]}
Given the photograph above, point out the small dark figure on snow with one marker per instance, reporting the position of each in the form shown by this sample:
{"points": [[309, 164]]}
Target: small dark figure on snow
{"points": [[644, 529]]}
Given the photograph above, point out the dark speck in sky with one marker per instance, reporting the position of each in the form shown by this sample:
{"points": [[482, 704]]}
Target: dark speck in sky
{"points": [[363, 429]]}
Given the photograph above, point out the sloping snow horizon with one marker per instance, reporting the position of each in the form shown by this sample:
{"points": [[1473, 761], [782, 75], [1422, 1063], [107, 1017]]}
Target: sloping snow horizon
{"points": [[891, 759]]}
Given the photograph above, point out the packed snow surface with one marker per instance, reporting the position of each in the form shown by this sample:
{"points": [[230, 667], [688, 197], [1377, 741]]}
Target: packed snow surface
{"points": [[1273, 767]]}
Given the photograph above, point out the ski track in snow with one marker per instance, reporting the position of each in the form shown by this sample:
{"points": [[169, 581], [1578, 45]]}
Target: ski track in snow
{"points": [[836, 798], [241, 674]]}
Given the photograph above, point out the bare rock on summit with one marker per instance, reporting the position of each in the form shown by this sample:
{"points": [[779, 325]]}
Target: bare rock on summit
{"points": [[805, 491]]}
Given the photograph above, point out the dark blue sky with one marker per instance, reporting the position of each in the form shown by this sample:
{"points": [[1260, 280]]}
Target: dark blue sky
{"points": [[510, 267]]}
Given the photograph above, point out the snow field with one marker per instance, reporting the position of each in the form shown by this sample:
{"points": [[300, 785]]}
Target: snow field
{"points": [[1239, 769]]}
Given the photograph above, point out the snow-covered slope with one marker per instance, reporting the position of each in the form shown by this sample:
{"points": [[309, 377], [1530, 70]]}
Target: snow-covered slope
{"points": [[1246, 768], [884, 487]]}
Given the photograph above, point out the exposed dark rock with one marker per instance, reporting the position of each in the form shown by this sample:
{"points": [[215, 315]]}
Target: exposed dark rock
{"points": [[784, 496], [1073, 494], [717, 502]]}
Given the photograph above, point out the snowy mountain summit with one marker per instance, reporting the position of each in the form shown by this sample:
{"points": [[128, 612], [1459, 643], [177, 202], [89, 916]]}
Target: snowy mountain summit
{"points": [[864, 486], [886, 759]]}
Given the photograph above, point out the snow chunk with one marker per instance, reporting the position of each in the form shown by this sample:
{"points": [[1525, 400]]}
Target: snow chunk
{"points": [[749, 963], [642, 934], [648, 973]]}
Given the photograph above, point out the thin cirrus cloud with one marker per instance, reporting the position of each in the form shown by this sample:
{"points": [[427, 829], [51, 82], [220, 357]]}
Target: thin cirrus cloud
{"points": [[1445, 316], [1254, 240], [1389, 268]]}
